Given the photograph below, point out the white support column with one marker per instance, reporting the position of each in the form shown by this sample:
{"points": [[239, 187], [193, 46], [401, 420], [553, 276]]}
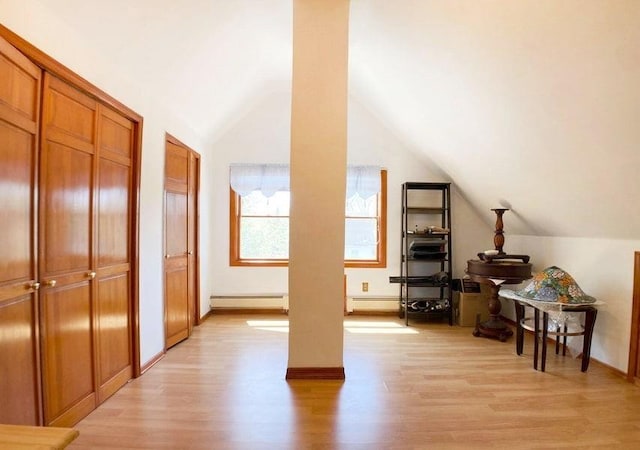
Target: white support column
{"points": [[318, 178]]}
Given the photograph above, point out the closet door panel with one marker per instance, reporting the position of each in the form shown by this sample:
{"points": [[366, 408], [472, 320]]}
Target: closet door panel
{"points": [[67, 178], [20, 88], [66, 242], [116, 135], [114, 192], [16, 205], [67, 352], [19, 353], [113, 321], [18, 362], [66, 194], [18, 349], [113, 340], [70, 117]]}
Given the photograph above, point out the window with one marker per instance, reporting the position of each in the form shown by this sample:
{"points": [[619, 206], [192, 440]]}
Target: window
{"points": [[259, 228]]}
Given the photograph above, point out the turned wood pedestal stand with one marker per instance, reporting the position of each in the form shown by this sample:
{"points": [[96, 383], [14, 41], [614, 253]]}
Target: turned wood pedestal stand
{"points": [[495, 269], [495, 327]]}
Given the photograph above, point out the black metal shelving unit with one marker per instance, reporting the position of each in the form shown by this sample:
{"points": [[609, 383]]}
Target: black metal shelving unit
{"points": [[425, 263]]}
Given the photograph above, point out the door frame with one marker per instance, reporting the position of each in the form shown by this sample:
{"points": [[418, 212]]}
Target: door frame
{"points": [[197, 320], [54, 67], [634, 345]]}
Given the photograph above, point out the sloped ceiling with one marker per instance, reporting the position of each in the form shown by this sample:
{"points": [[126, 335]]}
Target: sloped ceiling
{"points": [[208, 60], [529, 104]]}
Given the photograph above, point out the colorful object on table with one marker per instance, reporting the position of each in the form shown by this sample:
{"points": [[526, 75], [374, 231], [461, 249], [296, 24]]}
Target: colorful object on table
{"points": [[555, 285]]}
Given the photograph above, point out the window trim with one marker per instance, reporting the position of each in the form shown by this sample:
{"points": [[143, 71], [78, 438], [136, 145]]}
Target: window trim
{"points": [[234, 235]]}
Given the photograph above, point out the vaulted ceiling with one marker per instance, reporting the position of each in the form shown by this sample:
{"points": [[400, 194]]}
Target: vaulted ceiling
{"points": [[528, 104]]}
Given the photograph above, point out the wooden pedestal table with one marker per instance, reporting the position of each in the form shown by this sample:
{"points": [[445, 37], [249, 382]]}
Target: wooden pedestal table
{"points": [[495, 271], [495, 327]]}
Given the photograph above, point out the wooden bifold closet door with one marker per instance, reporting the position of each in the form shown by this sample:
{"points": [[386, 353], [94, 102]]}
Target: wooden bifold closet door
{"points": [[19, 353], [85, 192], [67, 196]]}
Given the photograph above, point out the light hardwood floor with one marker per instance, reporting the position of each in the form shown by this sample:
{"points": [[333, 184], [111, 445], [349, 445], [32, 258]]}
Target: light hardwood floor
{"points": [[429, 386]]}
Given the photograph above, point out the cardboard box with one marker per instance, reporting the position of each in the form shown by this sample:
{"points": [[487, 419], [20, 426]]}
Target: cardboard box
{"points": [[472, 304]]}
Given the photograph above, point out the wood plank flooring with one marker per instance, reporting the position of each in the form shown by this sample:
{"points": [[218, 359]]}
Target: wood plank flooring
{"points": [[428, 386]]}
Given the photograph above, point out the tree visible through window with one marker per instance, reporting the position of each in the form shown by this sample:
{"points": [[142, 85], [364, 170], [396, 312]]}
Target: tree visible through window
{"points": [[260, 229], [264, 226]]}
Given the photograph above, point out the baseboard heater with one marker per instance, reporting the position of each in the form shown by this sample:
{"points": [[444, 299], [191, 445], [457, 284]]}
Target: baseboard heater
{"points": [[250, 301], [382, 303], [281, 302]]}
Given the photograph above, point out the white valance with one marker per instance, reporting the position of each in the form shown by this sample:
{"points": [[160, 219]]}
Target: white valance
{"points": [[267, 178], [363, 180], [271, 178]]}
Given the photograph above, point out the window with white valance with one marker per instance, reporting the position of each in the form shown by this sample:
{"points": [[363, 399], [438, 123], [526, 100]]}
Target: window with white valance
{"points": [[259, 215]]}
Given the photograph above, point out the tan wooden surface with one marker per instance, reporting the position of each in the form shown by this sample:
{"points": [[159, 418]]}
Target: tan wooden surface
{"points": [[18, 437], [436, 388]]}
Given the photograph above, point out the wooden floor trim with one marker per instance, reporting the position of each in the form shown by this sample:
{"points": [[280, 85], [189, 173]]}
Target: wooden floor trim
{"points": [[205, 317], [152, 362], [315, 373]]}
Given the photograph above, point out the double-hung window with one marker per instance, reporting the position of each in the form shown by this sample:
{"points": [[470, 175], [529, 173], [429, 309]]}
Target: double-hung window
{"points": [[259, 216]]}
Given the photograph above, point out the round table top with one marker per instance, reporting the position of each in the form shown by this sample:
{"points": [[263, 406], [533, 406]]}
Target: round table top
{"points": [[507, 270]]}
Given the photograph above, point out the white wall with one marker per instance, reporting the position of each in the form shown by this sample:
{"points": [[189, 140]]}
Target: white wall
{"points": [[41, 27], [604, 269], [532, 101], [262, 135]]}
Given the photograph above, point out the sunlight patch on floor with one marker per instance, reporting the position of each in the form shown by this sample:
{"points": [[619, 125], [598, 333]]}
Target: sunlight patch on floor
{"points": [[383, 330], [268, 323], [352, 326], [377, 327], [280, 326]]}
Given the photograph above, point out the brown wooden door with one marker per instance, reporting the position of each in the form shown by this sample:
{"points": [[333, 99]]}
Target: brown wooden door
{"points": [[176, 244], [181, 237], [66, 233], [19, 355], [113, 293]]}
